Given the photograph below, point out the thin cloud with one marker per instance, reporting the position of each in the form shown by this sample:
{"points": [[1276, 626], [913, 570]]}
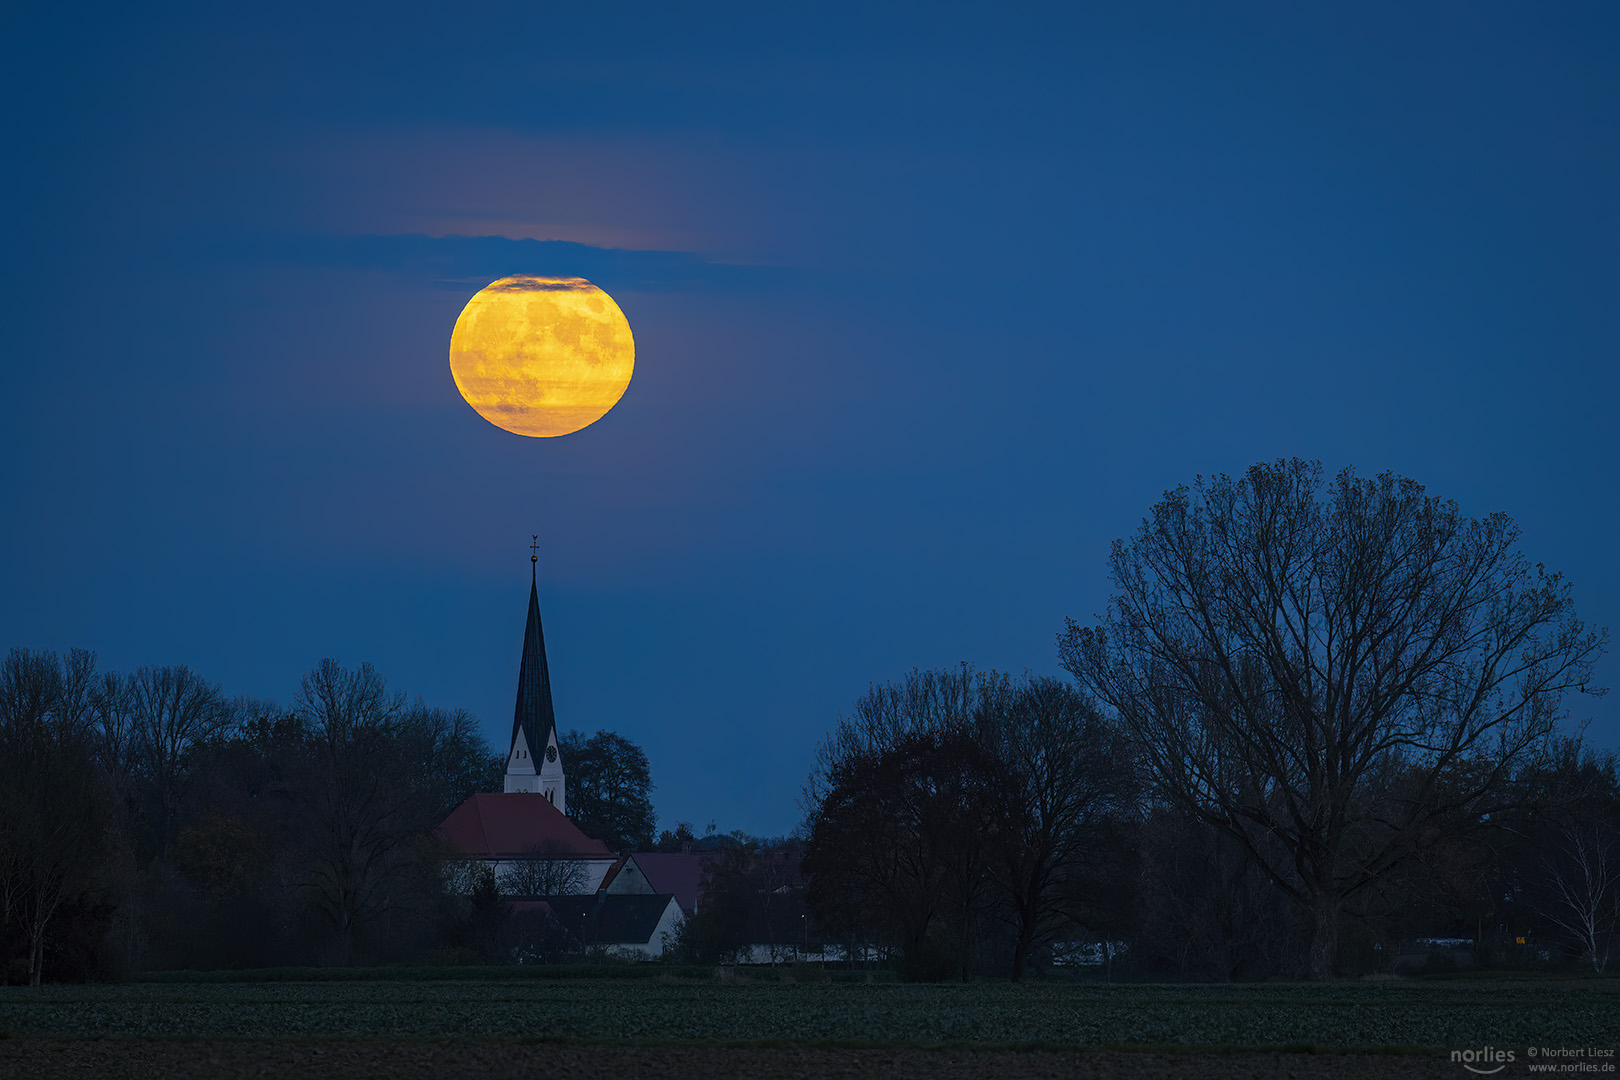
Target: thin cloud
{"points": [[522, 283], [455, 262]]}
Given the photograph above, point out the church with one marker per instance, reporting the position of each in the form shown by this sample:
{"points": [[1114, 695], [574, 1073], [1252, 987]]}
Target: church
{"points": [[548, 867]]}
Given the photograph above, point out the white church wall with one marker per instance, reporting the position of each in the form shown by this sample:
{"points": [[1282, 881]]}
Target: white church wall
{"points": [[521, 774], [552, 782]]}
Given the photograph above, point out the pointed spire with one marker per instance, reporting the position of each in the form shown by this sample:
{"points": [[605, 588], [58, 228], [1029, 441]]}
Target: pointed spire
{"points": [[534, 715]]}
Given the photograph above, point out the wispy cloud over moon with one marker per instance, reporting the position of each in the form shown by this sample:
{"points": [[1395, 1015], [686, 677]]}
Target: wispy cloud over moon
{"points": [[527, 283], [455, 262]]}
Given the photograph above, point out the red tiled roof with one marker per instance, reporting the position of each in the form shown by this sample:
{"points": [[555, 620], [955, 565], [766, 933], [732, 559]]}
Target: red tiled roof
{"points": [[513, 825]]}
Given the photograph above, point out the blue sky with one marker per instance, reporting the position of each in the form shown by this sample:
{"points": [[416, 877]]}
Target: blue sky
{"points": [[931, 303]]}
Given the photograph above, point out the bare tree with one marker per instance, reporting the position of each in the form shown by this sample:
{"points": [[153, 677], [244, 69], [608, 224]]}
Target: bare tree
{"points": [[1065, 789], [53, 821], [384, 776], [1582, 875], [1333, 674], [547, 871], [456, 761], [942, 702], [344, 707], [173, 712], [74, 709], [364, 819], [40, 690], [113, 705]]}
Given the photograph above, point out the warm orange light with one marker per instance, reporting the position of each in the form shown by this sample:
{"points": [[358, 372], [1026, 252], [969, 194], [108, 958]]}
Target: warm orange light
{"points": [[542, 356]]}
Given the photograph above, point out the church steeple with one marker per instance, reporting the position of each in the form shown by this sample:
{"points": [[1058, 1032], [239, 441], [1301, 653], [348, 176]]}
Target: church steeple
{"points": [[532, 762]]}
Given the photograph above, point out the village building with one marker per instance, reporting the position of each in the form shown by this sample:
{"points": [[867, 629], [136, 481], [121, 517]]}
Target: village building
{"points": [[559, 881], [512, 831], [546, 865], [655, 873], [632, 927]]}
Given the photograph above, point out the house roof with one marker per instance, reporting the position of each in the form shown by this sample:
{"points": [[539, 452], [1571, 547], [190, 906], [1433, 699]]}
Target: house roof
{"points": [[612, 872], [611, 919], [678, 874], [534, 715], [516, 825]]}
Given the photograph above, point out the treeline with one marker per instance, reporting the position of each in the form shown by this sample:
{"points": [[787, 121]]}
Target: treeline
{"points": [[148, 821], [1320, 718], [967, 823], [1319, 721]]}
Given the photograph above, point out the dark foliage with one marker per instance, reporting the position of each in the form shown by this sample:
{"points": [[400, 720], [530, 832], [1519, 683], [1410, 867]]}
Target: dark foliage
{"points": [[147, 822], [751, 898], [61, 849], [958, 810], [609, 789]]}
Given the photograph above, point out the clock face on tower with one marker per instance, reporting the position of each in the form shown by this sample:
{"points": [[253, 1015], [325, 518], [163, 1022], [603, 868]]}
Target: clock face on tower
{"points": [[551, 753]]}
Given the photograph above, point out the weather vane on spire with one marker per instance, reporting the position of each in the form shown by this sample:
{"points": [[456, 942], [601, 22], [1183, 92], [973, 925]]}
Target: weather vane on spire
{"points": [[534, 548]]}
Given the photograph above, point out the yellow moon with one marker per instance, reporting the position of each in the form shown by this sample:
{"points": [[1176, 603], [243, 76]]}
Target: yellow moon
{"points": [[541, 356]]}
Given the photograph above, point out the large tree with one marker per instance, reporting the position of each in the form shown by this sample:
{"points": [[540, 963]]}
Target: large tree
{"points": [[383, 774], [1062, 794], [900, 848], [1333, 673], [956, 793], [609, 784], [905, 808]]}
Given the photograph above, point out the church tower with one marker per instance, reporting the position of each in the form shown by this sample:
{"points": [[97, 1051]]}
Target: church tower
{"points": [[532, 763]]}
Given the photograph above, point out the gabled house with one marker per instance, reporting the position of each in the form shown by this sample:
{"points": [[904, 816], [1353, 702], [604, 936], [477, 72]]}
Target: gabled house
{"points": [[654, 873], [629, 925]]}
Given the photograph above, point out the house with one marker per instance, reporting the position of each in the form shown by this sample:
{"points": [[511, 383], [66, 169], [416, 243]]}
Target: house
{"points": [[632, 926], [680, 875]]}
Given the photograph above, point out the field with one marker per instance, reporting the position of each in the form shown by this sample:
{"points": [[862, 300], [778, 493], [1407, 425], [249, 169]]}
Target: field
{"points": [[713, 1028]]}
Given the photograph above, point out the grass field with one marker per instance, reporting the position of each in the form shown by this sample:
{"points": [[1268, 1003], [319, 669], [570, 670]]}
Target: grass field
{"points": [[1412, 1014]]}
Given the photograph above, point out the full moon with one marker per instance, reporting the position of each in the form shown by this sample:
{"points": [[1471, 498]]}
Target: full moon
{"points": [[541, 356]]}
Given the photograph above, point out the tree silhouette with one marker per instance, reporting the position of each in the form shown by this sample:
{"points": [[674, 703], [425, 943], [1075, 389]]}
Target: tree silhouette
{"points": [[1332, 674], [609, 787]]}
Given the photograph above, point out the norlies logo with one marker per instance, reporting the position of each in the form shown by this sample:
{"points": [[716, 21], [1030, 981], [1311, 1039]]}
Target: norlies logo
{"points": [[1479, 1061]]}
